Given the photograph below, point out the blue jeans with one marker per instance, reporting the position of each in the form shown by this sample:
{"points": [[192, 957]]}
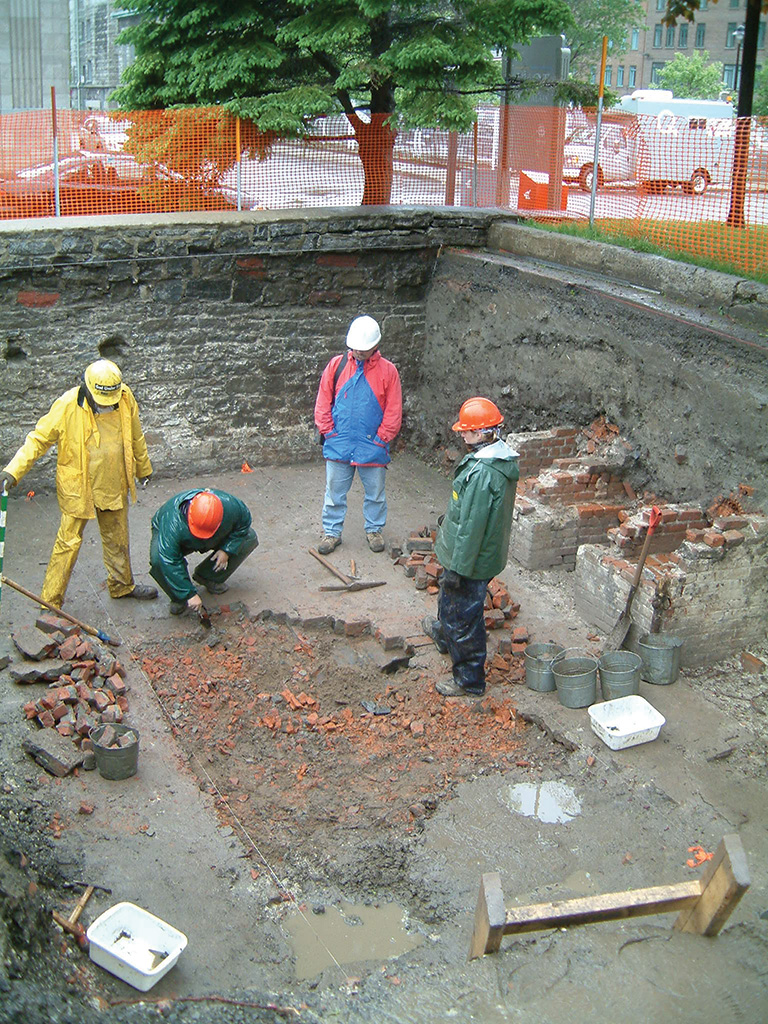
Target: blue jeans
{"points": [[462, 624], [338, 480]]}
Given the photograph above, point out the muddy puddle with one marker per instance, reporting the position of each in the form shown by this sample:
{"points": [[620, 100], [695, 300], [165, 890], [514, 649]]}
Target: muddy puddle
{"points": [[348, 934], [552, 802]]}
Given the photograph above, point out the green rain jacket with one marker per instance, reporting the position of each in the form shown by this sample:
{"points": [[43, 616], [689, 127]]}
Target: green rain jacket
{"points": [[174, 540], [473, 539]]}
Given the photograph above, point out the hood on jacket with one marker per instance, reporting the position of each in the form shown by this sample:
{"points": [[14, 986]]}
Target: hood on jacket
{"points": [[502, 456]]}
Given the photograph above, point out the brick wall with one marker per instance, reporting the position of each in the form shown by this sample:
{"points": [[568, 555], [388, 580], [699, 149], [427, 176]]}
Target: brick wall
{"points": [[540, 448], [545, 536], [676, 522], [711, 595]]}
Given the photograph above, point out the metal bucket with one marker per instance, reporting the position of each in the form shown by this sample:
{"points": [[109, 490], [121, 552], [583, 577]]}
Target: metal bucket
{"points": [[661, 658], [620, 674], [575, 679], [538, 666], [116, 762]]}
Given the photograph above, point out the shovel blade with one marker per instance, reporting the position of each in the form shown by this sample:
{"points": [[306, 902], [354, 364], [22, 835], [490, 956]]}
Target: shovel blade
{"points": [[618, 634]]}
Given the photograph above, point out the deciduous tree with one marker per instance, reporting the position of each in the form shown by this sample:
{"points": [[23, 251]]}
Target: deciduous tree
{"points": [[693, 77]]}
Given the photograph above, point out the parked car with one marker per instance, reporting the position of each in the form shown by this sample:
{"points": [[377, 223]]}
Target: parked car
{"points": [[100, 133], [91, 183], [616, 159]]}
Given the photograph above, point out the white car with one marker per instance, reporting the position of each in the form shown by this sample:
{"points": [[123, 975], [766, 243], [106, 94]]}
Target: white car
{"points": [[616, 159], [100, 133]]}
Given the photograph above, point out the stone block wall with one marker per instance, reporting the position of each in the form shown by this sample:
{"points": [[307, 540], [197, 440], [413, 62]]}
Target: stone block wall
{"points": [[221, 323]]}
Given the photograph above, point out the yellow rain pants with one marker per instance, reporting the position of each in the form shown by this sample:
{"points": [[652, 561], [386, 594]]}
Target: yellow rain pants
{"points": [[113, 524]]}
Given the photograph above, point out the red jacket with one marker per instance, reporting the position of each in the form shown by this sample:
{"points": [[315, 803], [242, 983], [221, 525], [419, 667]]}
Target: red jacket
{"points": [[366, 423]]}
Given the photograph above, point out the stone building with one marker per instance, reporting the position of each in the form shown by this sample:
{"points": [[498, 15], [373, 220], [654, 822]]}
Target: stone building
{"points": [[97, 60], [34, 37]]}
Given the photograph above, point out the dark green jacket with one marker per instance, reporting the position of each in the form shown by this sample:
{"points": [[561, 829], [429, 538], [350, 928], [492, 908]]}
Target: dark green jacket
{"points": [[174, 540], [473, 539]]}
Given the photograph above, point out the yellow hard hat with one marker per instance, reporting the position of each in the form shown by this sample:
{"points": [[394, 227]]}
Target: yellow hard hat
{"points": [[104, 381]]}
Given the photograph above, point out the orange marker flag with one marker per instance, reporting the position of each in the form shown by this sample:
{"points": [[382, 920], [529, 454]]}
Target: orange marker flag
{"points": [[30, 495], [246, 468]]}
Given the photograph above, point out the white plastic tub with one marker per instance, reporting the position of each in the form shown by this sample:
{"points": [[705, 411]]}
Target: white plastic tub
{"points": [[626, 721], [134, 945]]}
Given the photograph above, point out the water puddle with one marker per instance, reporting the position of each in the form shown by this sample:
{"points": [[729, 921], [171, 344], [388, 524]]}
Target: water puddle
{"points": [[351, 933], [552, 802]]}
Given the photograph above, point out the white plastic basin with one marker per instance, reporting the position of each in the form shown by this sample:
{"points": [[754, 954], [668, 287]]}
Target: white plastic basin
{"points": [[134, 945], [626, 721]]}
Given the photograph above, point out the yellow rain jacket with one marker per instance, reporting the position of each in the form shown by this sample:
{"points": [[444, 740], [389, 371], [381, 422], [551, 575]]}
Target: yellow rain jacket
{"points": [[70, 424]]}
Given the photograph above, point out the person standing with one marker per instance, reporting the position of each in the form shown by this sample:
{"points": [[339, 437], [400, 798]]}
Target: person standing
{"points": [[358, 411], [199, 520], [472, 545], [100, 449]]}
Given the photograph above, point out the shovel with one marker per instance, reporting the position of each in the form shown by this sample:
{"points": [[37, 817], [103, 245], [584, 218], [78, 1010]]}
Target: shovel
{"points": [[91, 630], [350, 585], [619, 632]]}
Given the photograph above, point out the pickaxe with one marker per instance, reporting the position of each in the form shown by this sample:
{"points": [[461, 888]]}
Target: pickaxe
{"points": [[349, 584]]}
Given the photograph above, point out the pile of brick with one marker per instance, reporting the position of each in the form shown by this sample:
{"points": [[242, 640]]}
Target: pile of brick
{"points": [[508, 665], [420, 563], [86, 683]]}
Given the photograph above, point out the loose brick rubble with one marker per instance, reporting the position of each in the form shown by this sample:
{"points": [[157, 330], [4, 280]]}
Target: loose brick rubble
{"points": [[86, 689]]}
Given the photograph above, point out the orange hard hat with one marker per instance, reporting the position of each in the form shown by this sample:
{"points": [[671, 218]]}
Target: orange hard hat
{"points": [[205, 514], [478, 414]]}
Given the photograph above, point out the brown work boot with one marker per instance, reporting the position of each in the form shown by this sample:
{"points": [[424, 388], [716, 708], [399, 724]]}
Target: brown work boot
{"points": [[375, 541], [328, 544]]}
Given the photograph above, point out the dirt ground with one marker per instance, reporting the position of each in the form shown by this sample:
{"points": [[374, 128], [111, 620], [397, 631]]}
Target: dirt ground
{"points": [[268, 792]]}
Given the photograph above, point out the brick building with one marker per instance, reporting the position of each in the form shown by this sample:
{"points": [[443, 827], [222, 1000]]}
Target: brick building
{"points": [[651, 47]]}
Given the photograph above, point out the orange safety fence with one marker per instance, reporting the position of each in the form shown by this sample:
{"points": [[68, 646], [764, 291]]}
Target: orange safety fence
{"points": [[665, 179]]}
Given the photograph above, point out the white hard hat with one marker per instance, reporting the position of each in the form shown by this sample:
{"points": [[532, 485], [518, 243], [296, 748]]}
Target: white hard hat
{"points": [[364, 334]]}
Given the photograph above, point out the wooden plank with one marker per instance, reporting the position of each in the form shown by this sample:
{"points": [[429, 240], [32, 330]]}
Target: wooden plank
{"points": [[489, 917], [723, 882], [658, 899]]}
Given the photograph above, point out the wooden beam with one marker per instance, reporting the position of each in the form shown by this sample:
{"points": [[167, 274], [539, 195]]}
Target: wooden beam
{"points": [[489, 917], [723, 882], [658, 899]]}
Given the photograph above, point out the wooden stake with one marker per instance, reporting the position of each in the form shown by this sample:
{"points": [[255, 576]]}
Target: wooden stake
{"points": [[723, 882]]}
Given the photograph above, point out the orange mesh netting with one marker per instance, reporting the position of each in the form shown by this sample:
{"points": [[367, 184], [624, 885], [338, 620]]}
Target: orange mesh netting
{"points": [[664, 179]]}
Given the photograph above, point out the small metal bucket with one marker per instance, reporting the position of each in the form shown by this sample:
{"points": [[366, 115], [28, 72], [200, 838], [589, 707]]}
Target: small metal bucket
{"points": [[116, 762], [575, 679], [661, 658], [538, 666], [620, 674]]}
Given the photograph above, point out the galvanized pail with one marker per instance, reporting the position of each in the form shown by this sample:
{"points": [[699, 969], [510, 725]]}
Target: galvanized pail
{"points": [[538, 666], [575, 679], [116, 762], [661, 658], [619, 674]]}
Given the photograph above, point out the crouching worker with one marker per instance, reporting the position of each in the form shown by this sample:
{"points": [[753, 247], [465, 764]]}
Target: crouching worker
{"points": [[472, 545], [199, 520], [100, 449]]}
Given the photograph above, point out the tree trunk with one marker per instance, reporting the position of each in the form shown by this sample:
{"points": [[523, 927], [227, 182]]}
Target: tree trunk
{"points": [[375, 144]]}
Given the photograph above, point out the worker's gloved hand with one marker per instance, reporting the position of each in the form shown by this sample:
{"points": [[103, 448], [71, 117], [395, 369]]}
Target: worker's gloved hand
{"points": [[144, 480], [451, 579], [7, 480], [195, 603]]}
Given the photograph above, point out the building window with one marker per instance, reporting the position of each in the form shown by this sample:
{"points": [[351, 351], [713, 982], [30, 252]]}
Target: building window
{"points": [[661, 5], [657, 35], [701, 34], [655, 69], [670, 35], [635, 43], [682, 39], [730, 35], [619, 76], [703, 5], [729, 75], [89, 71], [608, 74], [592, 77], [735, 3], [761, 35], [632, 77]]}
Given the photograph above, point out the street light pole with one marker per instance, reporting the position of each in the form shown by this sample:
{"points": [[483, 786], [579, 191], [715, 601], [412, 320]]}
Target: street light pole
{"points": [[738, 36]]}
